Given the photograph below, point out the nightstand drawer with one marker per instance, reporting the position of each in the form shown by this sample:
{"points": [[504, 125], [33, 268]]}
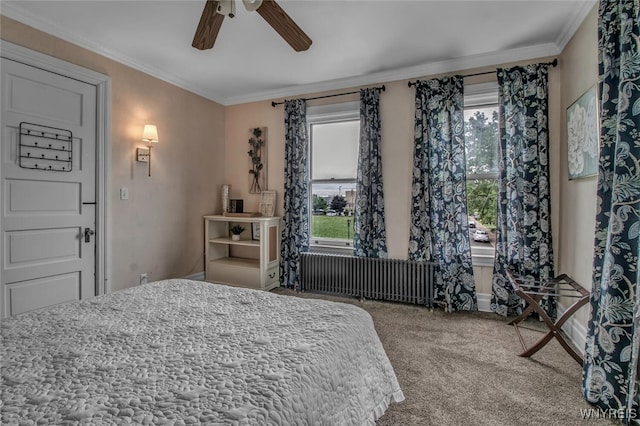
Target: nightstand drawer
{"points": [[229, 271], [273, 274]]}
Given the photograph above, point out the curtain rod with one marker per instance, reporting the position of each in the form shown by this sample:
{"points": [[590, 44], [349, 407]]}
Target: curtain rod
{"points": [[274, 104], [552, 63]]}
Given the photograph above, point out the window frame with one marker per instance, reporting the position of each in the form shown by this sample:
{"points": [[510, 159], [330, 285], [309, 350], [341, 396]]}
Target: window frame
{"points": [[326, 114], [480, 96]]}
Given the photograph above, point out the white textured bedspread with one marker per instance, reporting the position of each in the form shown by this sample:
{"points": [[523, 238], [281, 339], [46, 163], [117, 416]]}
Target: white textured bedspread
{"points": [[189, 352]]}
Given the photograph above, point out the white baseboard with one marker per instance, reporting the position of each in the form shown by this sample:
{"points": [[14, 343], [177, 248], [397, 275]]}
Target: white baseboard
{"points": [[575, 331], [484, 302], [198, 276]]}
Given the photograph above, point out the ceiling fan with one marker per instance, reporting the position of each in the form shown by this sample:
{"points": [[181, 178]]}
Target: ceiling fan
{"points": [[215, 11]]}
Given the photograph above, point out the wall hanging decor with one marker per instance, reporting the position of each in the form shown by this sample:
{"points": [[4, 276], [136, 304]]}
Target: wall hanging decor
{"points": [[257, 160], [45, 148], [583, 135]]}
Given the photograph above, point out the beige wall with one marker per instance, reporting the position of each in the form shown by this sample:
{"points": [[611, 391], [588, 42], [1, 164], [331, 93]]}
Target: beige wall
{"points": [[397, 108], [204, 145], [159, 230], [579, 65]]}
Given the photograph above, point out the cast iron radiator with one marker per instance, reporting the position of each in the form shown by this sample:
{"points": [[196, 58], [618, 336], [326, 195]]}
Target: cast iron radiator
{"points": [[382, 279]]}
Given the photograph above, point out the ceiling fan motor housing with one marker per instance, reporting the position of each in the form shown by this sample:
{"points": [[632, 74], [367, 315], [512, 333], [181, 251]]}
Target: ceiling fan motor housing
{"points": [[227, 8], [252, 5]]}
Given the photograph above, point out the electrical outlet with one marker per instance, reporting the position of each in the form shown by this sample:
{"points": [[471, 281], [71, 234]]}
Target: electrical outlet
{"points": [[143, 278]]}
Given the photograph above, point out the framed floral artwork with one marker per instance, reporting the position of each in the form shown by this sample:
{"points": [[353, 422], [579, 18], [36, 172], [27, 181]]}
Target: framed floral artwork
{"points": [[583, 135]]}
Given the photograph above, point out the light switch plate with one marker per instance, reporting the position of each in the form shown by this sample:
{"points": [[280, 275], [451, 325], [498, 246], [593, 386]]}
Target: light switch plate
{"points": [[124, 193]]}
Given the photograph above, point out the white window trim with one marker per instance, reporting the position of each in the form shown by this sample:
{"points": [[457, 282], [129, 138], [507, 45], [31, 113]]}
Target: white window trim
{"points": [[321, 246], [477, 95], [482, 256], [480, 176], [333, 112], [321, 114]]}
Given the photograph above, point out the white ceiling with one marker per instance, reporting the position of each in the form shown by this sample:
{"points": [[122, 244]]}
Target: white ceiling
{"points": [[355, 42]]}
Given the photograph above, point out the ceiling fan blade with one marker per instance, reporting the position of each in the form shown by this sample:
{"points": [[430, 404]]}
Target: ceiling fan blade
{"points": [[210, 23], [284, 25]]}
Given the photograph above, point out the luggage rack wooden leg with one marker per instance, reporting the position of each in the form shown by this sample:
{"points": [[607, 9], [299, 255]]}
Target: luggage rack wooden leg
{"points": [[555, 328]]}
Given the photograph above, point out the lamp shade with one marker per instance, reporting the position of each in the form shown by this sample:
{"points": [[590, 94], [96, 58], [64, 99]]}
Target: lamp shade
{"points": [[150, 133]]}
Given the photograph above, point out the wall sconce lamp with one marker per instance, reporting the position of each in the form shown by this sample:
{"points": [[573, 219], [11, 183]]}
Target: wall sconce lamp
{"points": [[149, 135]]}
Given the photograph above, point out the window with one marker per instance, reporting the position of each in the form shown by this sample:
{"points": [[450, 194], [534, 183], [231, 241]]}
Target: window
{"points": [[481, 143], [334, 134]]}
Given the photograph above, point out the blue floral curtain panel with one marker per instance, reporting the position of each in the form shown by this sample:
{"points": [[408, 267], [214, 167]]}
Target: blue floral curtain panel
{"points": [[295, 231], [439, 230], [613, 337], [369, 238], [523, 225]]}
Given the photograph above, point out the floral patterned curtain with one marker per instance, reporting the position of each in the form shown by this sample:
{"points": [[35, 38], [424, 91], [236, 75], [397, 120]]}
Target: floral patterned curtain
{"points": [[369, 238], [523, 234], [613, 337], [439, 230], [295, 231]]}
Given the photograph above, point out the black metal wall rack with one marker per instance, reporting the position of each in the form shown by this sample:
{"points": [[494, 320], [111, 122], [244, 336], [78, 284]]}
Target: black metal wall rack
{"points": [[45, 148]]}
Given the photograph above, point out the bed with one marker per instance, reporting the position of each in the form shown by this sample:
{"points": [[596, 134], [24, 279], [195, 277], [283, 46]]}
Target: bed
{"points": [[190, 352]]}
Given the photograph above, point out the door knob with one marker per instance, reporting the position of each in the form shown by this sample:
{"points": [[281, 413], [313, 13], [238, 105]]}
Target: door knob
{"points": [[88, 232]]}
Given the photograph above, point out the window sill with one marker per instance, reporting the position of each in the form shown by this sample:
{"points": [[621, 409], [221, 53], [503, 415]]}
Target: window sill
{"points": [[481, 258], [331, 249]]}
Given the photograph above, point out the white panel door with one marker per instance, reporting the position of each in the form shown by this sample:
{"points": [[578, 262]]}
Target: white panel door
{"points": [[48, 189]]}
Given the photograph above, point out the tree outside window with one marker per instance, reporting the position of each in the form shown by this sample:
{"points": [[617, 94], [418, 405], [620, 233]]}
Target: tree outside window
{"points": [[481, 144], [481, 141]]}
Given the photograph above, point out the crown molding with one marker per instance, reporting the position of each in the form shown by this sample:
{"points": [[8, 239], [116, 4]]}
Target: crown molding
{"points": [[11, 11], [573, 24], [417, 71]]}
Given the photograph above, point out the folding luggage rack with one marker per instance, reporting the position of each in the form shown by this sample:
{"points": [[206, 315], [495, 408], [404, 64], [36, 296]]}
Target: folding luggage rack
{"points": [[532, 292]]}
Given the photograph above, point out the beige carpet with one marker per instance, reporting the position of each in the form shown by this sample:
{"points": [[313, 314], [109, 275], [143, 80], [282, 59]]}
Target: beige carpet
{"points": [[463, 369]]}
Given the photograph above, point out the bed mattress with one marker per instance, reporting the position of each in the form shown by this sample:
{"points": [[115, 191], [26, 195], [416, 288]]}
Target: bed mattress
{"points": [[189, 352]]}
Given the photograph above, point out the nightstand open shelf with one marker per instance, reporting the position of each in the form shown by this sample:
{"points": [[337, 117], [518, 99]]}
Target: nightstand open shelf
{"points": [[245, 262]]}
